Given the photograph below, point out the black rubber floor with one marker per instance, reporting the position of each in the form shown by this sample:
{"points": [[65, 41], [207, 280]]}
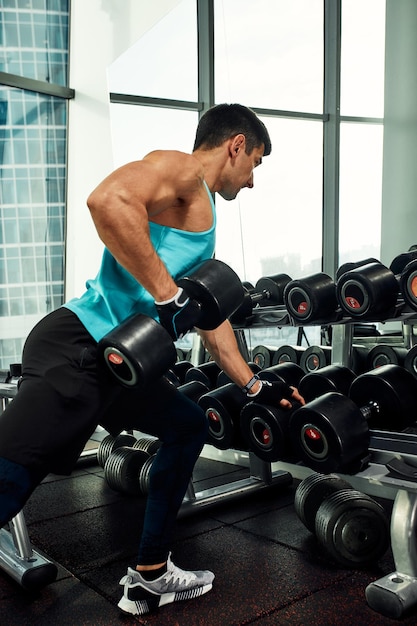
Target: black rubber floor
{"points": [[269, 568]]}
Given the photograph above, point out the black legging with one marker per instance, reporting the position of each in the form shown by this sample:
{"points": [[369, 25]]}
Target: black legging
{"points": [[64, 395]]}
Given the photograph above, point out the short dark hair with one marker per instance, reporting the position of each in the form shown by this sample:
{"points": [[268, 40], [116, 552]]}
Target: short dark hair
{"points": [[224, 121]]}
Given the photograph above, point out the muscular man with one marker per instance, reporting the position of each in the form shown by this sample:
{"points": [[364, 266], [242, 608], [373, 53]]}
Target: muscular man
{"points": [[156, 218]]}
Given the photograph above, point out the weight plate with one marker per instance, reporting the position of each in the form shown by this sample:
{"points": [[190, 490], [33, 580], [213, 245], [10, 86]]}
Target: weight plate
{"points": [[410, 361], [408, 284], [399, 263], [194, 389], [206, 373], [122, 469], [384, 355], [265, 430], [110, 443], [368, 292], [144, 475], [353, 528], [311, 493], [311, 298], [329, 434], [274, 287], [147, 444], [262, 356], [290, 373], [217, 287], [138, 351], [222, 407], [327, 378], [393, 391], [346, 267], [315, 357], [288, 354]]}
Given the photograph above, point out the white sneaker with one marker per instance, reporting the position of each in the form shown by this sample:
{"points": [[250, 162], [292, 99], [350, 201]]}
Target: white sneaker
{"points": [[141, 596]]}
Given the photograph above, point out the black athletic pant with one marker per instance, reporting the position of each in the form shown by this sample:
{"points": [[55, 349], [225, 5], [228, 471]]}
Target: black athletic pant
{"points": [[63, 396]]}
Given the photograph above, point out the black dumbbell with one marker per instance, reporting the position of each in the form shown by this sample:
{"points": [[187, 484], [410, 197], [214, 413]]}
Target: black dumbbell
{"points": [[368, 292], [222, 407], [351, 527], [315, 357], [263, 355], [147, 443], [122, 469], [346, 267], [410, 361], [176, 373], [289, 373], [311, 493], [328, 378], [288, 354], [264, 428], [312, 299], [408, 283], [383, 355], [332, 432], [141, 350], [206, 373], [374, 291], [109, 444], [194, 389], [268, 291]]}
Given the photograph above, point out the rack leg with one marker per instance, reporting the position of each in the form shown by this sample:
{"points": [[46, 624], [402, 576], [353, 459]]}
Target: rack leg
{"points": [[261, 478], [395, 594], [17, 558]]}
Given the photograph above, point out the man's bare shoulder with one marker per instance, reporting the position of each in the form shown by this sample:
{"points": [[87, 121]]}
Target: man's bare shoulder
{"points": [[182, 168]]}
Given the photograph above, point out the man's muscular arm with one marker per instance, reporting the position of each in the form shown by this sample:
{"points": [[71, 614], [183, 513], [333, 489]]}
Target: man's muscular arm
{"points": [[222, 345], [121, 206]]}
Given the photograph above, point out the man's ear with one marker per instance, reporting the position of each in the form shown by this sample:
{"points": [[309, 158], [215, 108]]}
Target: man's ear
{"points": [[238, 144]]}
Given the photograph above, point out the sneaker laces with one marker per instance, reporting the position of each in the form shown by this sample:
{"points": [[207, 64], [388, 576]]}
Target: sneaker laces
{"points": [[175, 573]]}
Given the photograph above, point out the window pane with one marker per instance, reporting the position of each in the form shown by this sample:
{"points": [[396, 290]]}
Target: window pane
{"points": [[363, 58], [32, 208], [34, 40], [269, 53], [276, 226], [137, 130], [163, 63], [360, 191]]}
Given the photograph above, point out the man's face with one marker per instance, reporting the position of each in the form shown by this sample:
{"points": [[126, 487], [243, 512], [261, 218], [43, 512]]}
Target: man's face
{"points": [[240, 174]]}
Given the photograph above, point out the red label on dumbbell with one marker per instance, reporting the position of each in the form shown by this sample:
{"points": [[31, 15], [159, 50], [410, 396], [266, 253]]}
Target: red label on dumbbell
{"points": [[313, 433], [302, 308], [413, 286], [115, 359], [213, 416], [266, 438], [352, 303]]}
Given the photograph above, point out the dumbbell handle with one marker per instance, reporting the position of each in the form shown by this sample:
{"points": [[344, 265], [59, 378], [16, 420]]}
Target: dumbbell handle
{"points": [[370, 410], [258, 296]]}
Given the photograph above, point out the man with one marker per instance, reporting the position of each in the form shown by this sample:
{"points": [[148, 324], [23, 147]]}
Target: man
{"points": [[156, 218]]}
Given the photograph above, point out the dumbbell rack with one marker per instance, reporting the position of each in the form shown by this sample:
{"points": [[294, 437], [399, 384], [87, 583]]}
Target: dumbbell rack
{"points": [[391, 474], [17, 557]]}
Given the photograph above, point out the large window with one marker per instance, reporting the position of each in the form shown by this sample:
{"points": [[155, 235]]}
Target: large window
{"points": [[33, 134], [361, 132], [271, 56]]}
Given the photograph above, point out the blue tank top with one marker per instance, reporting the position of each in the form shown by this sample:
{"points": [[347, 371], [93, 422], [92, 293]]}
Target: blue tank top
{"points": [[114, 295]]}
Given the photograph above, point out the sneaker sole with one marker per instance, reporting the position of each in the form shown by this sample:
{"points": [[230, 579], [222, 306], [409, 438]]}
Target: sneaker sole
{"points": [[140, 607]]}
